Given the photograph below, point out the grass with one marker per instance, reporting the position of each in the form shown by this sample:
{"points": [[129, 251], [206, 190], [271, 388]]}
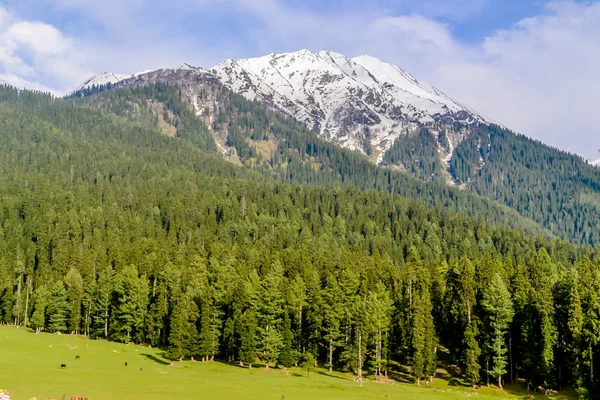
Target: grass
{"points": [[30, 366]]}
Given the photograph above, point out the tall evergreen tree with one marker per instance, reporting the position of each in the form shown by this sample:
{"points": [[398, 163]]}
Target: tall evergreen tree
{"points": [[183, 337], [247, 338], [498, 306], [103, 298], [58, 308], [41, 299], [269, 312]]}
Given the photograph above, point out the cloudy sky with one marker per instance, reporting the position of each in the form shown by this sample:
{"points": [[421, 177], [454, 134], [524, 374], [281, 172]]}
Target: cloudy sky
{"points": [[532, 65]]}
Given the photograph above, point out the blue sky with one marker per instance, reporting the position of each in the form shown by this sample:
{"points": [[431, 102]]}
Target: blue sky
{"points": [[529, 64]]}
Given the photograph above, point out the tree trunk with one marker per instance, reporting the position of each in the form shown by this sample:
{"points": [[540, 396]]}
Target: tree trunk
{"points": [[360, 358], [510, 356], [106, 324], [17, 315], [330, 356], [591, 364], [27, 289], [500, 381]]}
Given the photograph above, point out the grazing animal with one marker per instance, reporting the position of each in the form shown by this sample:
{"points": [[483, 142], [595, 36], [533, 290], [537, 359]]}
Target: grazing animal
{"points": [[77, 357], [63, 365], [125, 363]]}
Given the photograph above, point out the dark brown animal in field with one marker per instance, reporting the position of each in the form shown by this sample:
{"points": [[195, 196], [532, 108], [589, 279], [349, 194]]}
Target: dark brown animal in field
{"points": [[77, 357], [63, 365], [125, 363]]}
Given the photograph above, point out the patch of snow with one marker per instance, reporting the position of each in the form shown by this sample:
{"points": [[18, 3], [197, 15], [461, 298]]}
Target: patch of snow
{"points": [[104, 78]]}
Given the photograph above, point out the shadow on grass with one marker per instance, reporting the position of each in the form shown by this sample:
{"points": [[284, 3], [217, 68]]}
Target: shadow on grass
{"points": [[401, 375], [520, 390], [332, 376], [152, 357]]}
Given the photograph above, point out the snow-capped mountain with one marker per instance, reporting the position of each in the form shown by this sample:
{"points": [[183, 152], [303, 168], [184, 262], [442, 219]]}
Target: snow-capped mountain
{"points": [[355, 102], [104, 78], [361, 103]]}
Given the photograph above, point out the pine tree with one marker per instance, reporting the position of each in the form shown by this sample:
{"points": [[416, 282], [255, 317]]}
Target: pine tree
{"points": [[183, 337], [422, 344], [58, 308], [308, 363], [269, 310], [131, 305], [332, 316], [75, 295], [472, 353], [41, 298], [102, 303], [247, 338], [467, 298], [379, 309], [286, 357], [575, 327], [498, 305]]}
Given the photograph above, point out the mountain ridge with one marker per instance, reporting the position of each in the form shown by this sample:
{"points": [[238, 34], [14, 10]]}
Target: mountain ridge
{"points": [[361, 103]]}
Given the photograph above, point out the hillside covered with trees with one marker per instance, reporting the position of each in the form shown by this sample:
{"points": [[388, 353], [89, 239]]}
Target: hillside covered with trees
{"points": [[551, 190], [109, 227]]}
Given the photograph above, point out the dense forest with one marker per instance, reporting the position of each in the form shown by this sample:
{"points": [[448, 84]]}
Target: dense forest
{"points": [[300, 156], [561, 193], [562, 190], [110, 228]]}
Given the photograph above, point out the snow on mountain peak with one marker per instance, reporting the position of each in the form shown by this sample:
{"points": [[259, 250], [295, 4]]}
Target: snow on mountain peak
{"points": [[101, 79], [356, 103], [187, 67], [361, 103]]}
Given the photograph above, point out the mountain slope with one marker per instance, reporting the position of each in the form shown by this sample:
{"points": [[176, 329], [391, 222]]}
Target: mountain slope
{"points": [[281, 148], [372, 106]]}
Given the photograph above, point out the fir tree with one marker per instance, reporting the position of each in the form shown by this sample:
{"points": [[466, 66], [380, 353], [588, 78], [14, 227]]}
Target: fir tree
{"points": [[286, 357], [247, 338], [58, 308], [498, 305], [41, 299], [183, 337]]}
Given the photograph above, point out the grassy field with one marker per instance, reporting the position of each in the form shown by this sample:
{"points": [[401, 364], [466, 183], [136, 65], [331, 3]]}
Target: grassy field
{"points": [[30, 366]]}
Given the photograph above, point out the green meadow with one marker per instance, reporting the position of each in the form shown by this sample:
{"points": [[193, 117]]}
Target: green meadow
{"points": [[30, 366]]}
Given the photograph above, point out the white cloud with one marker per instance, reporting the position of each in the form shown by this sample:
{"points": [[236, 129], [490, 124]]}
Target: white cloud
{"points": [[415, 32], [37, 55], [43, 39]]}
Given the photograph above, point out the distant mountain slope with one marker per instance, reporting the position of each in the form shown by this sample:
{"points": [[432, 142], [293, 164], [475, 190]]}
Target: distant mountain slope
{"points": [[250, 134], [382, 111]]}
